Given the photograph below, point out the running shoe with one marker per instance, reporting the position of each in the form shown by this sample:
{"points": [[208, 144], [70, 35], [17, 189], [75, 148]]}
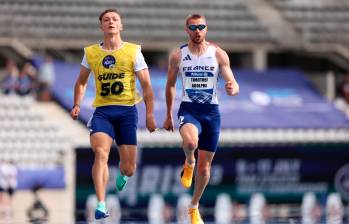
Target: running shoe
{"points": [[194, 216], [121, 182], [187, 175], [101, 212]]}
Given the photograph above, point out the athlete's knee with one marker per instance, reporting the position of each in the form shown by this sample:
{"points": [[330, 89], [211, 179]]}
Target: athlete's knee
{"points": [[128, 169], [101, 154], [204, 170], [190, 144]]}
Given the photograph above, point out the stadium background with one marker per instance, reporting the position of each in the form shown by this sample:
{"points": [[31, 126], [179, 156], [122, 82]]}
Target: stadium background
{"points": [[285, 135]]}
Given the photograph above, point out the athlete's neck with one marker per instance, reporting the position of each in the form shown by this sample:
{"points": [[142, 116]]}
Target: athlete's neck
{"points": [[112, 43], [197, 48]]}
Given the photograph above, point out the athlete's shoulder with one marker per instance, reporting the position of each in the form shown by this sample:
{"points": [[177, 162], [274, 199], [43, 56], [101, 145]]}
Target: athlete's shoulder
{"points": [[183, 46], [213, 44], [222, 56], [132, 45], [174, 58], [220, 51], [175, 54], [93, 46]]}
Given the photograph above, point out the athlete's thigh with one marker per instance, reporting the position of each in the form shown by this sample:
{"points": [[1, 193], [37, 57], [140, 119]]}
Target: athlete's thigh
{"points": [[125, 127], [101, 140], [209, 137], [101, 122], [128, 153], [208, 141], [211, 123], [189, 132], [189, 126]]}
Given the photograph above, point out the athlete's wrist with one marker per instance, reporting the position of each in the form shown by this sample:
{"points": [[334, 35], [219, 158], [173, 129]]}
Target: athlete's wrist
{"points": [[76, 105]]}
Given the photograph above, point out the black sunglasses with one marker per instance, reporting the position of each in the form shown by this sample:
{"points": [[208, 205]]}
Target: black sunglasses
{"points": [[194, 27]]}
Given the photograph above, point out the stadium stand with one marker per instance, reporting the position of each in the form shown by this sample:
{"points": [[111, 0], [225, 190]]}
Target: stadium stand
{"points": [[38, 138], [74, 23], [318, 21], [27, 138]]}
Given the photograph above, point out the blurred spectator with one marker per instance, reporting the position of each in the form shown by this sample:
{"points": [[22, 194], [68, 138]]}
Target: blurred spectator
{"points": [[334, 209], [37, 213], [8, 185], [8, 177], [183, 203], [223, 211], [258, 210], [310, 209], [26, 78], [156, 208], [344, 88], [113, 204], [91, 202], [46, 79], [9, 82]]}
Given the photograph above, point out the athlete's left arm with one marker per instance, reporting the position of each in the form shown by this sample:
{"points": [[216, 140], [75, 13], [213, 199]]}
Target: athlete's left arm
{"points": [[144, 79], [231, 85]]}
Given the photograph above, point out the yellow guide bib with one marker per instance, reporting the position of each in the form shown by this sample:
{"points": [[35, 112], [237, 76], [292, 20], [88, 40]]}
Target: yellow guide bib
{"points": [[114, 74]]}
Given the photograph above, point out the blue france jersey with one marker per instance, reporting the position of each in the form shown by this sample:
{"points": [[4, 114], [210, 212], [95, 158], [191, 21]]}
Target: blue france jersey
{"points": [[199, 76]]}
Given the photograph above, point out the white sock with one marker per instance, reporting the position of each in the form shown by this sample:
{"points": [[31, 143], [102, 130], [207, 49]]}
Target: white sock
{"points": [[190, 164], [194, 206], [101, 205]]}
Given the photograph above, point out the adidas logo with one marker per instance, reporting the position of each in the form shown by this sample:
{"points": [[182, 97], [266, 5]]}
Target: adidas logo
{"points": [[187, 58]]}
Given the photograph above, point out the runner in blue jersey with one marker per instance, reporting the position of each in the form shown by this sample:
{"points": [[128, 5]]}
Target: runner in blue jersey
{"points": [[198, 63]]}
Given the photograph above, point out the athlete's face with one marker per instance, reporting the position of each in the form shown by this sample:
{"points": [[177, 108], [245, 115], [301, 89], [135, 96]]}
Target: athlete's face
{"points": [[111, 23], [195, 31]]}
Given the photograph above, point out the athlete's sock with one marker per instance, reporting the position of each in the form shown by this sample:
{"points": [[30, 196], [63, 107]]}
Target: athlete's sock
{"points": [[192, 164], [194, 206], [101, 206]]}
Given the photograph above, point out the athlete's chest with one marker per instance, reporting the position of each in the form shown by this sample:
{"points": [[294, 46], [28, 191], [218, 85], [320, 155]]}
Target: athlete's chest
{"points": [[206, 62]]}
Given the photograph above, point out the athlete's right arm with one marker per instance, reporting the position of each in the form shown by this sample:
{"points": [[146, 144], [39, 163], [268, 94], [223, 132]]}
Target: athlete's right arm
{"points": [[173, 67], [79, 91]]}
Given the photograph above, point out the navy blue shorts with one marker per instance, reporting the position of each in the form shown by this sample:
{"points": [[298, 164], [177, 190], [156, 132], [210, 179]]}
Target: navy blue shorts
{"points": [[119, 122], [206, 118]]}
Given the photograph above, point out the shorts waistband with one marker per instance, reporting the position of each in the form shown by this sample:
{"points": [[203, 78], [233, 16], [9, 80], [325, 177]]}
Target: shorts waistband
{"points": [[198, 108]]}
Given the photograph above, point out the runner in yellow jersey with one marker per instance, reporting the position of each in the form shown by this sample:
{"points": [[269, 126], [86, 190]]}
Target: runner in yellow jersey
{"points": [[115, 65]]}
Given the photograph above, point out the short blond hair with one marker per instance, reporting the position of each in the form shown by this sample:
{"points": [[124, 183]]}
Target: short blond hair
{"points": [[194, 16]]}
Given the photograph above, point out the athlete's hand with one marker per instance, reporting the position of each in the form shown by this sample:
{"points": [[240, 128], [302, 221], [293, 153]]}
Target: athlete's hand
{"points": [[150, 122], [231, 89], [74, 113], [168, 124]]}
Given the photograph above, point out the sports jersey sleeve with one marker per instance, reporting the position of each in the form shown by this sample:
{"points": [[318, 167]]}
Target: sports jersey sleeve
{"points": [[140, 62], [84, 62]]}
